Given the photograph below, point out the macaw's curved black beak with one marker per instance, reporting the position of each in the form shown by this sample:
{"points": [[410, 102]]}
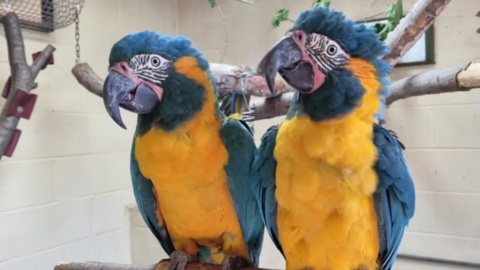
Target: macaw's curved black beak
{"points": [[289, 58], [129, 92]]}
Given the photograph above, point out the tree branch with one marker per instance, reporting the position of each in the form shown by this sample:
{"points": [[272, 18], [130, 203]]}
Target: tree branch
{"points": [[18, 104], [268, 107], [102, 266], [88, 78], [42, 60], [411, 28], [460, 78], [162, 265], [464, 77], [227, 78]]}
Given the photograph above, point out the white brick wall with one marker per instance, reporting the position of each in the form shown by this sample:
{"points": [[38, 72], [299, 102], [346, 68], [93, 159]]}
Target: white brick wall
{"points": [[63, 195]]}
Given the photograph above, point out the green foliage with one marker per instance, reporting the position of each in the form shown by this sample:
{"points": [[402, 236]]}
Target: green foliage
{"points": [[281, 16], [322, 3], [394, 14], [213, 3]]}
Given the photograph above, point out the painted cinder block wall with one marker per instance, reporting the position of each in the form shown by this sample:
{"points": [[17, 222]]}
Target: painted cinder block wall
{"points": [[63, 195]]}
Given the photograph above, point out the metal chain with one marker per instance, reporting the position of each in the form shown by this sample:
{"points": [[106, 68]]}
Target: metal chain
{"points": [[77, 34], [244, 84]]}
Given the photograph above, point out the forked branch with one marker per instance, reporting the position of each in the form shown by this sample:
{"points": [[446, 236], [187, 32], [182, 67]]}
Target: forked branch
{"points": [[232, 79], [17, 90]]}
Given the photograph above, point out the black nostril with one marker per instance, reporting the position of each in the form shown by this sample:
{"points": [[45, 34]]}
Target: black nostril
{"points": [[124, 67], [298, 35]]}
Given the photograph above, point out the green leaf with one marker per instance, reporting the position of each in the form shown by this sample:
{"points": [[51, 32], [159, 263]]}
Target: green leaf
{"points": [[213, 3], [382, 29], [281, 16], [395, 13], [322, 3]]}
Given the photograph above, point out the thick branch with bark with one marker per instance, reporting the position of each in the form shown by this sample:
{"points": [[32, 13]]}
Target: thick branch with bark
{"points": [[232, 79], [229, 79], [411, 28], [460, 78], [17, 91], [463, 77], [88, 78], [162, 265]]}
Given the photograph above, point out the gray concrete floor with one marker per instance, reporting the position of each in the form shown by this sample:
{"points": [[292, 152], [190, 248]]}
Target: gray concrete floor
{"points": [[405, 264]]}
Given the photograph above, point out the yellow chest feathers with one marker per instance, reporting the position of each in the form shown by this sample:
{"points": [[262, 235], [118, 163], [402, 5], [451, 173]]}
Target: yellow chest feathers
{"points": [[181, 155], [186, 167], [325, 182]]}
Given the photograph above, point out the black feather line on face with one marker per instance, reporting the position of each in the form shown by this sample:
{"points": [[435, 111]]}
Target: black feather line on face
{"points": [[143, 67], [317, 47]]}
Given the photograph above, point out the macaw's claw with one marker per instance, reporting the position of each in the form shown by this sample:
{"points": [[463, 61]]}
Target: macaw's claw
{"points": [[179, 259], [234, 262]]}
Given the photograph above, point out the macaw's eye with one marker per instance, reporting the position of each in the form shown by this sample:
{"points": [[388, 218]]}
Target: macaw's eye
{"points": [[155, 61], [325, 52], [332, 50]]}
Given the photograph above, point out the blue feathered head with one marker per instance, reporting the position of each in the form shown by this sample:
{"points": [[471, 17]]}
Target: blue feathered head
{"points": [[314, 59], [155, 76]]}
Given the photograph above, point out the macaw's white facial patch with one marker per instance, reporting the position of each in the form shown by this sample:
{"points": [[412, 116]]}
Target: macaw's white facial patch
{"points": [[150, 67], [326, 53]]}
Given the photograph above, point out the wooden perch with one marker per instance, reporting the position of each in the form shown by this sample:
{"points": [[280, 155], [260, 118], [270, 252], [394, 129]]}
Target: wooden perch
{"points": [[102, 266], [88, 78], [234, 79], [464, 77], [162, 265], [229, 78], [460, 78], [411, 28], [19, 102]]}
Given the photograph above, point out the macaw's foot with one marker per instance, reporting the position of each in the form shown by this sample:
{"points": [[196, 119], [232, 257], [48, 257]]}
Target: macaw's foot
{"points": [[234, 262], [179, 259]]}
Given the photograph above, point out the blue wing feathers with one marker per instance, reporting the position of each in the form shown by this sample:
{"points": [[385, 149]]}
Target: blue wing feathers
{"points": [[395, 195], [263, 176], [238, 140], [147, 204]]}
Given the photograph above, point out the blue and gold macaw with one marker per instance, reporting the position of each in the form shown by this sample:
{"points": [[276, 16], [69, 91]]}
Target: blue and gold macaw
{"points": [[189, 163], [334, 187]]}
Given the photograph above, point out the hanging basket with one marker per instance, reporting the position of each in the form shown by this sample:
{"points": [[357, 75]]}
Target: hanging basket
{"points": [[43, 15]]}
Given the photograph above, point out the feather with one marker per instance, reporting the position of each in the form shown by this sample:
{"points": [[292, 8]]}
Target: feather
{"points": [[239, 143], [395, 195], [263, 179], [147, 204]]}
